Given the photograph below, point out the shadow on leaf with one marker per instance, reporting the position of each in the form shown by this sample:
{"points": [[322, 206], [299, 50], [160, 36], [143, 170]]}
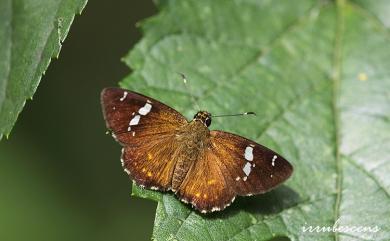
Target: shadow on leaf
{"points": [[268, 203], [283, 238]]}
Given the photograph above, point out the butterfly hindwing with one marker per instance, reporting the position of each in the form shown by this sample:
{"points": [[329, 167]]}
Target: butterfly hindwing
{"points": [[146, 129], [152, 164], [206, 185]]}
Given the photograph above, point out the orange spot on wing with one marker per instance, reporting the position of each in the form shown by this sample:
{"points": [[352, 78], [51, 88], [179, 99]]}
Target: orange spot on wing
{"points": [[204, 196], [143, 169], [212, 181], [150, 156], [197, 194], [149, 174]]}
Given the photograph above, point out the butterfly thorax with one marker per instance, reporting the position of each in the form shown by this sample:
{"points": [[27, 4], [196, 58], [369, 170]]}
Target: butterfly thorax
{"points": [[194, 138]]}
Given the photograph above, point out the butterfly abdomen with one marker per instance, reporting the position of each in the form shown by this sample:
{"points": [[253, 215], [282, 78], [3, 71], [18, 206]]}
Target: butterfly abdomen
{"points": [[181, 169]]}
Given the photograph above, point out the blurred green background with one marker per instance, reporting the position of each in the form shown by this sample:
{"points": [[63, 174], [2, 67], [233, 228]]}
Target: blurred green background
{"points": [[60, 175]]}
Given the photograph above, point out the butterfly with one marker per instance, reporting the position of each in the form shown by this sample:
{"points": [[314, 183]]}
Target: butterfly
{"points": [[163, 151]]}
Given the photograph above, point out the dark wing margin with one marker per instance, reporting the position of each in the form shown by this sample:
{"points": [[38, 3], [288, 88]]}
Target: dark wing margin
{"points": [[146, 128]]}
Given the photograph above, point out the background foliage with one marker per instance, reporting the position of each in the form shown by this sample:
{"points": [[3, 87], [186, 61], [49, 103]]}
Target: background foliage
{"points": [[60, 175], [31, 33]]}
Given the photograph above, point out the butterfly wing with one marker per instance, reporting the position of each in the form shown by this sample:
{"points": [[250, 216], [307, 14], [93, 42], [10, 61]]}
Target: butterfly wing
{"points": [[232, 165], [206, 185], [129, 114], [151, 164], [146, 129], [251, 167]]}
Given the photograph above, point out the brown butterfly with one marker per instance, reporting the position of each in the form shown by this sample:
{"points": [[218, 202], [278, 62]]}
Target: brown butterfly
{"points": [[163, 151]]}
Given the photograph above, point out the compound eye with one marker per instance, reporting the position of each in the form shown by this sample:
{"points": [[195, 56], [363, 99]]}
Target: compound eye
{"points": [[208, 122]]}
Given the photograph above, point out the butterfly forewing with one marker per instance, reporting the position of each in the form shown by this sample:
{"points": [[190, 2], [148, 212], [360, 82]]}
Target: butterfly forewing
{"points": [[230, 166], [146, 128], [129, 114], [251, 168]]}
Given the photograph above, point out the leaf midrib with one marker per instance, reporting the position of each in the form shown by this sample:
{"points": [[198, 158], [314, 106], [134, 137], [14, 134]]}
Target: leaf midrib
{"points": [[340, 4]]}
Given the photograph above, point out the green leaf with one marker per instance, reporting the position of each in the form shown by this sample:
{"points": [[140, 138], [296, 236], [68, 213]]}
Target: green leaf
{"points": [[317, 75], [31, 33]]}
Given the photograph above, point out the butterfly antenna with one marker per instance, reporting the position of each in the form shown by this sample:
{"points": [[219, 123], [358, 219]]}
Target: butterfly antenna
{"points": [[193, 100], [245, 113]]}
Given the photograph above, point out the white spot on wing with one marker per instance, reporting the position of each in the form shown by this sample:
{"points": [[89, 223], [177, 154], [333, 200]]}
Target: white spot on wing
{"points": [[145, 110], [244, 178], [215, 209], [124, 96], [135, 120], [238, 178], [249, 153], [226, 205], [247, 169], [133, 133], [273, 160]]}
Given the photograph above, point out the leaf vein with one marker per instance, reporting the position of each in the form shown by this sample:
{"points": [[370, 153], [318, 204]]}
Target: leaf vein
{"points": [[297, 99], [334, 105], [264, 50], [367, 173]]}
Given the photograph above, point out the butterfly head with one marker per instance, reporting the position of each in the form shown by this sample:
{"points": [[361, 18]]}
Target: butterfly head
{"points": [[204, 117]]}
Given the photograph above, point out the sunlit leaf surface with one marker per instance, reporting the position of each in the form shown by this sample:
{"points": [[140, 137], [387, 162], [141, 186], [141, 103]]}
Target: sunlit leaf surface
{"points": [[317, 75]]}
